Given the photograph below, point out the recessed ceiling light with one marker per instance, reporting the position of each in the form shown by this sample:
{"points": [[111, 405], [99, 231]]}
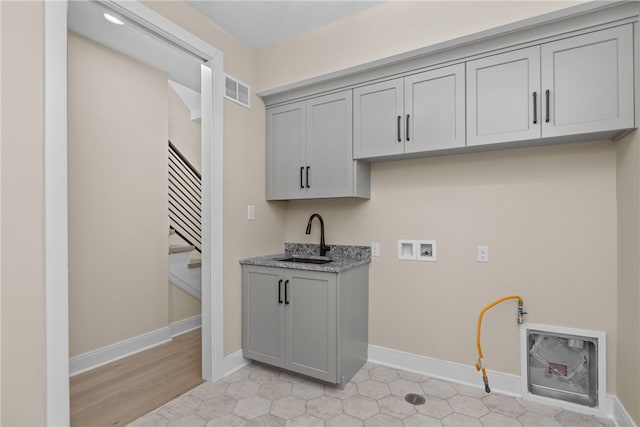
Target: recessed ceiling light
{"points": [[113, 19]]}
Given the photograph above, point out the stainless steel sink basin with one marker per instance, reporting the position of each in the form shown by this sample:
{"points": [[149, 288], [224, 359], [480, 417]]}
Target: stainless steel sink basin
{"points": [[306, 260]]}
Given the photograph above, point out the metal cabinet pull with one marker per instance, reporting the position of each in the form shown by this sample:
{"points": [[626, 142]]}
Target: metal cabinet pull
{"points": [[535, 108], [308, 167], [399, 136], [407, 130], [547, 117], [301, 169], [280, 291], [286, 299]]}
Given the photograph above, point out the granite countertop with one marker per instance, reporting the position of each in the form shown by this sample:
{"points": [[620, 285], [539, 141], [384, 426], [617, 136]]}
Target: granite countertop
{"points": [[343, 257]]}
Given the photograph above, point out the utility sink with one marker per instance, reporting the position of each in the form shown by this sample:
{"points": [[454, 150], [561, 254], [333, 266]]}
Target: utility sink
{"points": [[307, 260]]}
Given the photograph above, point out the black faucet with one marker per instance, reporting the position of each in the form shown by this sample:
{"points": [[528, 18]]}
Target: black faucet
{"points": [[323, 248]]}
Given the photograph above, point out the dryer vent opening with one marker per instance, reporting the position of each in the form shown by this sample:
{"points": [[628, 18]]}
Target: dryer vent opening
{"points": [[565, 366]]}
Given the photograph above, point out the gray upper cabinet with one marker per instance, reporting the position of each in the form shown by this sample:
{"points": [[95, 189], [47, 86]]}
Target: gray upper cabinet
{"points": [[434, 107], [286, 151], [590, 83], [577, 85], [377, 116], [309, 150], [418, 113], [501, 93]]}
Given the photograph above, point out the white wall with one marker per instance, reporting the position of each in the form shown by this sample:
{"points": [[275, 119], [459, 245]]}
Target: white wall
{"points": [[117, 196]]}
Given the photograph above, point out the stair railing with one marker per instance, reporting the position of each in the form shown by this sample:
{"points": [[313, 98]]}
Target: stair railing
{"points": [[185, 203]]}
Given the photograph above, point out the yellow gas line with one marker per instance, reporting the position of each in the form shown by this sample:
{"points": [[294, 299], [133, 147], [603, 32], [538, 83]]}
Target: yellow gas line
{"points": [[521, 312]]}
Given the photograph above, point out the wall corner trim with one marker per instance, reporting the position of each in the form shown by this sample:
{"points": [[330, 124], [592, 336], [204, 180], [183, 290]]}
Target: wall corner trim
{"points": [[233, 362], [618, 413]]}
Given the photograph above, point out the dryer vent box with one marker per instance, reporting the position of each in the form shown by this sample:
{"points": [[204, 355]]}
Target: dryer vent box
{"points": [[563, 366]]}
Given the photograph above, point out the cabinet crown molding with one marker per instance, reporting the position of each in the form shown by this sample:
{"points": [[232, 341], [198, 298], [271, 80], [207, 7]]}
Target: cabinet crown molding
{"points": [[563, 23]]}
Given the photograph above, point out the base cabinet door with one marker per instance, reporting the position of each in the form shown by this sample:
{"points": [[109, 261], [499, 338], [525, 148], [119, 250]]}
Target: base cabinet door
{"points": [[311, 324], [263, 315]]}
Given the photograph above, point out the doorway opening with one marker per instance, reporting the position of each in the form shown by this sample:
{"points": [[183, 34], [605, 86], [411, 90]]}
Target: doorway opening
{"points": [[211, 77]]}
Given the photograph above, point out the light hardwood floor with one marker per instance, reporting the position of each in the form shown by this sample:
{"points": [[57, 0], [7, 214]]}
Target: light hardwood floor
{"points": [[122, 391]]}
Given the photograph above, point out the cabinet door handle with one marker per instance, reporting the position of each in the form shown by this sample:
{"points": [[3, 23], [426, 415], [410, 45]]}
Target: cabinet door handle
{"points": [[547, 116], [308, 167], [301, 170], [286, 299], [280, 291], [399, 136], [407, 129], [535, 108]]}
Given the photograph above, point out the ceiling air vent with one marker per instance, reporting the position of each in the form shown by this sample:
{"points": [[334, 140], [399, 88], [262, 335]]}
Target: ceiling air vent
{"points": [[236, 91]]}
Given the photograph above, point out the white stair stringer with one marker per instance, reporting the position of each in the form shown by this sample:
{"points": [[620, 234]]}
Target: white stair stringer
{"points": [[183, 276]]}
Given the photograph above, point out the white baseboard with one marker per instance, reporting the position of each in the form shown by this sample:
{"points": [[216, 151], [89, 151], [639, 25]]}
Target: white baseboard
{"points": [[111, 353], [233, 362], [619, 414], [441, 369], [180, 327]]}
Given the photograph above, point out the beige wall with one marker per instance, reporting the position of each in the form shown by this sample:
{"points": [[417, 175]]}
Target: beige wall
{"points": [[385, 30], [182, 305], [244, 168], [628, 381], [22, 246], [184, 133], [547, 214], [117, 196]]}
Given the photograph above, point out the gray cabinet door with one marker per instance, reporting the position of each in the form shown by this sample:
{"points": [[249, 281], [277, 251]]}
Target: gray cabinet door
{"points": [[311, 324], [503, 97], [263, 314], [434, 107], [285, 151], [590, 82], [329, 146], [377, 119]]}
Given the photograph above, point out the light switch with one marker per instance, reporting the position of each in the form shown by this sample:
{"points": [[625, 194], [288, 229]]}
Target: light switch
{"points": [[251, 212], [375, 249], [483, 253]]}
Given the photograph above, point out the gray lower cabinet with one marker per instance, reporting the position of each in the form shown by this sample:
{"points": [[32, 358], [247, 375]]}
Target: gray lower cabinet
{"points": [[309, 322], [572, 86], [310, 153]]}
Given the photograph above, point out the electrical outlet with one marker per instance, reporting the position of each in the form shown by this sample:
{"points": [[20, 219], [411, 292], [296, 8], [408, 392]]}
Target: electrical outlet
{"points": [[375, 249], [483, 253], [251, 212]]}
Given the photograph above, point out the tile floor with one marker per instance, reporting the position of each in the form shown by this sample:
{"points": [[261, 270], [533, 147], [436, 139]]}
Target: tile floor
{"points": [[257, 395]]}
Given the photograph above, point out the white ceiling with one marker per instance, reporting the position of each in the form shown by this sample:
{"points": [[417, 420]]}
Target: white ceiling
{"points": [[262, 23], [86, 18]]}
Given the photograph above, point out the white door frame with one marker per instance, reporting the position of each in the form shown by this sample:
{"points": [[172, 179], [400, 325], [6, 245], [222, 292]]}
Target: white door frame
{"points": [[56, 218]]}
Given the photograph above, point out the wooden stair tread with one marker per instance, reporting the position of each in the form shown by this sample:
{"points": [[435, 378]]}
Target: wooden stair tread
{"points": [[173, 249]]}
